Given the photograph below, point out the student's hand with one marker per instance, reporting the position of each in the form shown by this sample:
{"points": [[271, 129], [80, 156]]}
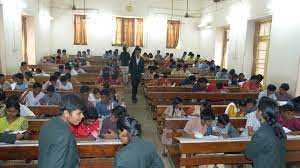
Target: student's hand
{"points": [[19, 136], [226, 136], [110, 135]]}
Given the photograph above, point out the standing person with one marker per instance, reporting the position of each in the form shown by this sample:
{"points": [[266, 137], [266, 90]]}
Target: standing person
{"points": [[130, 131], [57, 145], [124, 61], [267, 146], [136, 68]]}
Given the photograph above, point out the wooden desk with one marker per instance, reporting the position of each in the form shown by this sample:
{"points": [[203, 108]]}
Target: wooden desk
{"points": [[181, 89], [179, 80], [41, 110]]}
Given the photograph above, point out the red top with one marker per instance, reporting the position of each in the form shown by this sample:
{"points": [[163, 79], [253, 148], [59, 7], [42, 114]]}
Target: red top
{"points": [[292, 124], [153, 82], [116, 82], [251, 86], [82, 130], [100, 80], [165, 83], [60, 62]]}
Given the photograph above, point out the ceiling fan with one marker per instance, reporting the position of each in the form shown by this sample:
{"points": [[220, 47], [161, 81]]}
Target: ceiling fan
{"points": [[187, 14], [84, 8]]}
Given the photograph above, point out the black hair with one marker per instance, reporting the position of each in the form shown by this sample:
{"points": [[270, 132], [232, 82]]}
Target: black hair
{"points": [[13, 101], [223, 119], [156, 76], [90, 113], [185, 66], [1, 75], [71, 102], [270, 112], [68, 76], [57, 74], [50, 89], [205, 104], [39, 70], [63, 78], [61, 67], [207, 114], [104, 92], [96, 90], [202, 80], [37, 85], [289, 106], [106, 85], [219, 85], [212, 69], [259, 77], [112, 90], [251, 100], [2, 95], [224, 70], [130, 124], [241, 74], [53, 78], [175, 102], [76, 65], [271, 88], [68, 68], [64, 50], [84, 89], [285, 86], [119, 111], [165, 76], [29, 74], [232, 72], [19, 76], [192, 78], [23, 63]]}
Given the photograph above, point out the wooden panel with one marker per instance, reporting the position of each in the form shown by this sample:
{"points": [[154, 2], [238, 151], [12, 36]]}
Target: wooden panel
{"points": [[39, 111], [181, 89], [179, 80]]}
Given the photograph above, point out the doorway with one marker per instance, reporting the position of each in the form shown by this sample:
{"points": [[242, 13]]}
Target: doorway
{"points": [[28, 39]]}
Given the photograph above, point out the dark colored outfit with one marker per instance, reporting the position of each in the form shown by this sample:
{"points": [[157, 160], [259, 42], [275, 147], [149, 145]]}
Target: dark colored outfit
{"points": [[136, 71]]}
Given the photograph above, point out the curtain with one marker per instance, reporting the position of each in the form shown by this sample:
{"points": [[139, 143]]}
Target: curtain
{"points": [[173, 33], [128, 31], [255, 52], [139, 35], [80, 36], [24, 39], [118, 39]]}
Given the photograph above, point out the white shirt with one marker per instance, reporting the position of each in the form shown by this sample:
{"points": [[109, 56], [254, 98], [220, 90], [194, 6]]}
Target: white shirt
{"points": [[68, 86], [137, 61], [32, 100], [252, 121], [92, 99], [73, 72], [25, 111], [265, 94], [57, 84], [80, 70]]}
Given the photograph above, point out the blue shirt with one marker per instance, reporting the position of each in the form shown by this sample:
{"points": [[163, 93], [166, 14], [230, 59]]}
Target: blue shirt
{"points": [[103, 109], [21, 86]]}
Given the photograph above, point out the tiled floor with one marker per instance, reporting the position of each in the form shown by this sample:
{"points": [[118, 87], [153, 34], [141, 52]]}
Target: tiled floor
{"points": [[141, 112]]}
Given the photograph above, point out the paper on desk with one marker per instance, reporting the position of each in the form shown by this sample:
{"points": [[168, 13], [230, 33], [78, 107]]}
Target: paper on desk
{"points": [[286, 130], [20, 132]]}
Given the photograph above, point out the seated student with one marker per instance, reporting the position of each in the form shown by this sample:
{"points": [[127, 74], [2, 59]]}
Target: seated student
{"points": [[105, 106], [24, 110], [53, 80], [88, 53], [250, 106], [109, 124], [225, 128], [268, 144], [28, 78], [241, 78], [200, 85], [129, 131], [33, 97], [233, 82], [196, 110], [154, 82], [196, 64], [40, 72], [189, 81], [233, 110], [2, 103], [61, 69], [51, 60], [59, 60], [282, 94], [69, 69], [51, 97], [253, 84], [4, 84], [95, 96], [175, 109], [20, 85], [64, 55], [220, 88], [186, 72], [115, 80], [65, 85], [24, 67], [165, 82], [212, 71], [149, 73], [78, 69], [104, 76], [287, 119], [252, 124], [13, 120], [270, 92], [172, 64], [88, 127], [200, 125], [222, 74], [116, 97], [84, 93], [296, 103], [178, 70]]}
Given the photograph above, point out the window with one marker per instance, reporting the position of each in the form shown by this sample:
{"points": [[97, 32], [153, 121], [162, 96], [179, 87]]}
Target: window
{"points": [[80, 37], [224, 62], [173, 31], [261, 47], [128, 31]]}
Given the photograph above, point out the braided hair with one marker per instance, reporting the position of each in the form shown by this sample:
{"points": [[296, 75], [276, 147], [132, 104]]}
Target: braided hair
{"points": [[130, 124], [176, 101]]}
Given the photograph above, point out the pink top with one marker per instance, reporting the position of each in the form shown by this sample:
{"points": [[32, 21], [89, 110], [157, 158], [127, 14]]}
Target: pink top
{"points": [[194, 125], [82, 130], [292, 124]]}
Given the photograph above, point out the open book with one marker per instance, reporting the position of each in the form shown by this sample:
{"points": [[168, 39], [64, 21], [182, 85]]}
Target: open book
{"points": [[20, 132], [286, 130]]}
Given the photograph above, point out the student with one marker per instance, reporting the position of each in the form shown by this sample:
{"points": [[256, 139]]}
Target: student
{"points": [[270, 92], [124, 62], [95, 96], [129, 131], [61, 69], [69, 69], [57, 145], [20, 85], [89, 126], [267, 146], [53, 80], [84, 93], [250, 106], [158, 56], [51, 97], [241, 78], [200, 85], [24, 67], [88, 53], [200, 124], [282, 94], [254, 84], [104, 75], [2, 103], [220, 88], [136, 68], [51, 60], [149, 73], [196, 64], [178, 70], [24, 110], [165, 82], [189, 81], [64, 55], [222, 75], [225, 128], [78, 69], [186, 72], [28, 78], [33, 97], [58, 53], [154, 82], [109, 124], [4, 85], [233, 82], [40, 72], [59, 60], [105, 106], [65, 85], [12, 121], [287, 119], [114, 80], [196, 110]]}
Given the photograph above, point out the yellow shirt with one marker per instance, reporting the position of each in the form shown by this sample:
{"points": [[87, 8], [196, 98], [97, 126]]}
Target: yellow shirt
{"points": [[19, 124]]}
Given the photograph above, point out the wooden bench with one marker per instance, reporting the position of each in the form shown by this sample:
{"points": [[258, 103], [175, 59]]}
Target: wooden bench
{"points": [[181, 89], [40, 111], [208, 149], [92, 153], [179, 80]]}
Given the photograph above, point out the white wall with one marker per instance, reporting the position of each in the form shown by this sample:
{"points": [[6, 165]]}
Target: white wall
{"points": [[285, 36], [99, 26], [11, 50]]}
